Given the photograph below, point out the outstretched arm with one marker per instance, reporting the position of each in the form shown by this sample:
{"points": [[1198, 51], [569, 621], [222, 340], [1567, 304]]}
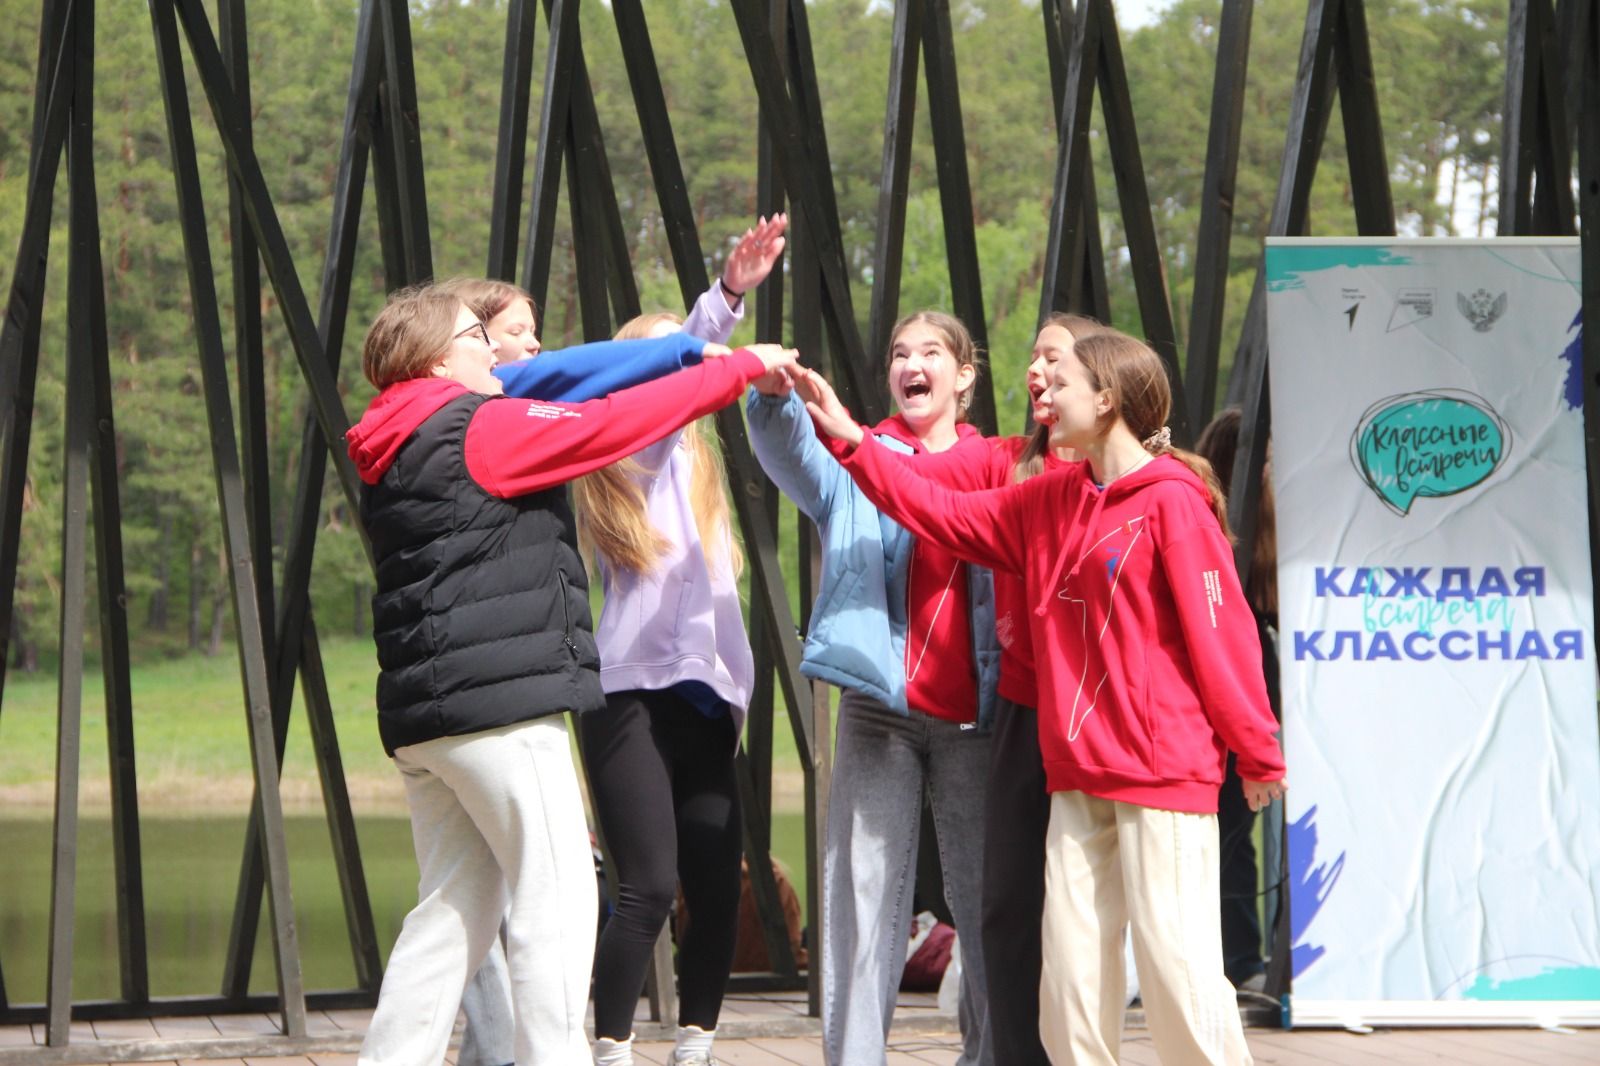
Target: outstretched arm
{"points": [[986, 528], [589, 371], [515, 447], [786, 446]]}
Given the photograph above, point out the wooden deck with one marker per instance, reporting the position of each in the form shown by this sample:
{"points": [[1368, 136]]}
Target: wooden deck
{"points": [[768, 1030]]}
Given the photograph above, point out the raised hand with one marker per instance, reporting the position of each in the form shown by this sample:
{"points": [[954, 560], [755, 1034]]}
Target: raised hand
{"points": [[826, 411], [1258, 794], [753, 257]]}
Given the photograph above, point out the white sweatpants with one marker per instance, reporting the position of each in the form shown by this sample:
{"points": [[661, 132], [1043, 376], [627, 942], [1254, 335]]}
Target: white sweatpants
{"points": [[498, 822], [1110, 864]]}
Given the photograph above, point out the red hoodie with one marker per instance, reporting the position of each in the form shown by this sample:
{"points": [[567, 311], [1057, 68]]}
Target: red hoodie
{"points": [[941, 678], [969, 470], [515, 447], [1148, 660]]}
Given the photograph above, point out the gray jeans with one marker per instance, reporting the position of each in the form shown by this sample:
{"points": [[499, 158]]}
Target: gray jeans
{"points": [[882, 764], [487, 1040]]}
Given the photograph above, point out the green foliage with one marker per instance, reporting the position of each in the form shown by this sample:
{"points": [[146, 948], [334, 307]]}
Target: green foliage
{"points": [[1439, 67]]}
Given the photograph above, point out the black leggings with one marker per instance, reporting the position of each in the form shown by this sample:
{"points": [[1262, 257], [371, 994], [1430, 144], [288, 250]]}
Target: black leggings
{"points": [[661, 774], [1015, 819]]}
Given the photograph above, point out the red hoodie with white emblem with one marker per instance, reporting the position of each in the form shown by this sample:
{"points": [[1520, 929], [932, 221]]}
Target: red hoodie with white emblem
{"points": [[515, 447], [1149, 665]]}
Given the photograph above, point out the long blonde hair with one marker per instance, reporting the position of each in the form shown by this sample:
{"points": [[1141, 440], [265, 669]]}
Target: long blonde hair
{"points": [[1030, 462], [613, 524], [1142, 397]]}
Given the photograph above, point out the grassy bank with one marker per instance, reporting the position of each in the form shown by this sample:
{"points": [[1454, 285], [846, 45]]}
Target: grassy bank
{"points": [[192, 740]]}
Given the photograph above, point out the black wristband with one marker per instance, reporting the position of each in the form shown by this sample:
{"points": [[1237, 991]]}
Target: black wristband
{"points": [[730, 292]]}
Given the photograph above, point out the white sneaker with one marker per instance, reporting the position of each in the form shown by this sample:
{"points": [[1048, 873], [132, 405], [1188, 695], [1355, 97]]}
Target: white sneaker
{"points": [[691, 1058]]}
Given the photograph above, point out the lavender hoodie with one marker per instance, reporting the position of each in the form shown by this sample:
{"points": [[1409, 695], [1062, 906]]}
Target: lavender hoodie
{"points": [[682, 621]]}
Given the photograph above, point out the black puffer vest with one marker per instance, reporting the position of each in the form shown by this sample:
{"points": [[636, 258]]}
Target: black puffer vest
{"points": [[482, 611]]}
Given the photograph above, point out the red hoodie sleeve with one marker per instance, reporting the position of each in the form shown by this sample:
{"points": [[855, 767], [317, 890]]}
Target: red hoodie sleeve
{"points": [[515, 447], [1224, 648], [981, 527], [966, 469]]}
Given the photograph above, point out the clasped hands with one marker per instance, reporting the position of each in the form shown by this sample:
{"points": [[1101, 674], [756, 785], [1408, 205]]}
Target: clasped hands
{"points": [[829, 415]]}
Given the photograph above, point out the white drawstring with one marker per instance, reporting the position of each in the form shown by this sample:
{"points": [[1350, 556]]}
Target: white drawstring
{"points": [[912, 671]]}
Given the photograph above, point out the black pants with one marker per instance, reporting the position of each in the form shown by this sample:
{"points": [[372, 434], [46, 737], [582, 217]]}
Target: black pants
{"points": [[661, 774], [1015, 821], [1236, 854]]}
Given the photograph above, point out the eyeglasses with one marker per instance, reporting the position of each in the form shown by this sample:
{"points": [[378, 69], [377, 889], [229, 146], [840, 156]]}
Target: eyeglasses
{"points": [[479, 328]]}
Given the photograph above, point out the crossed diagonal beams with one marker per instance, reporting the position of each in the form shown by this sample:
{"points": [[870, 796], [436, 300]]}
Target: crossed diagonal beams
{"points": [[1554, 62]]}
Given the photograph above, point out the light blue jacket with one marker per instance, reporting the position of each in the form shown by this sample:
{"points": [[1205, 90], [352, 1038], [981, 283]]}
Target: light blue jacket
{"points": [[858, 625]]}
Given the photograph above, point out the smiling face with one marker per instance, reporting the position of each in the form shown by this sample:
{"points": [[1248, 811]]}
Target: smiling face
{"points": [[470, 356], [1077, 408], [1052, 344], [925, 378], [513, 329]]}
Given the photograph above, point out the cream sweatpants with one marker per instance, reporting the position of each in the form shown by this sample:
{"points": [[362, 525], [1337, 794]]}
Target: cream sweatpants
{"points": [[1110, 865], [498, 825]]}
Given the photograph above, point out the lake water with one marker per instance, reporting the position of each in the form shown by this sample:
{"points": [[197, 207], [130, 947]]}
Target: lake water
{"points": [[191, 871]]}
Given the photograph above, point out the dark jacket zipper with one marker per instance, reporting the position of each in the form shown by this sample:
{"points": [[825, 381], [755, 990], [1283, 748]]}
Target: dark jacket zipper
{"points": [[566, 616]]}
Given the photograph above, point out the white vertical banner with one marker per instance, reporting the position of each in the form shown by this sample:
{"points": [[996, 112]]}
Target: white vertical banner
{"points": [[1436, 631]]}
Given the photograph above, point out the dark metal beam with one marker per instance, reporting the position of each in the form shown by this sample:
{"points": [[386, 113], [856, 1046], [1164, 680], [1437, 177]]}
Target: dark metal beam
{"points": [[231, 121], [516, 80], [955, 196], [1536, 156], [586, 138], [1309, 110], [1211, 259], [899, 120], [291, 642], [594, 306], [1072, 162], [404, 129], [230, 493], [562, 52], [19, 334], [87, 321], [1363, 128], [800, 144], [341, 822], [1144, 249], [1082, 285], [74, 543]]}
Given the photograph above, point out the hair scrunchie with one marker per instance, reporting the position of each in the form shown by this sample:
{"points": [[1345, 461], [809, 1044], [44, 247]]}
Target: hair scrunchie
{"points": [[1159, 441]]}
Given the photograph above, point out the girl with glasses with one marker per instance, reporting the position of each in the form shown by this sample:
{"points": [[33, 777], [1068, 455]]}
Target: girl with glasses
{"points": [[481, 620]]}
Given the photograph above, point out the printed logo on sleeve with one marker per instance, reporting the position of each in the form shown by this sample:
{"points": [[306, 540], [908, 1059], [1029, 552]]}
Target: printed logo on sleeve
{"points": [[1213, 581], [551, 410]]}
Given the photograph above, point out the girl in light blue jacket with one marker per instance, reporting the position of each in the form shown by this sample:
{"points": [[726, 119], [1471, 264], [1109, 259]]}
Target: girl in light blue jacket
{"points": [[907, 633]]}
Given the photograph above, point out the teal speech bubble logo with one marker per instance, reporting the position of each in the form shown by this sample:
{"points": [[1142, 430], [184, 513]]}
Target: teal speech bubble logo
{"points": [[1434, 443]]}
